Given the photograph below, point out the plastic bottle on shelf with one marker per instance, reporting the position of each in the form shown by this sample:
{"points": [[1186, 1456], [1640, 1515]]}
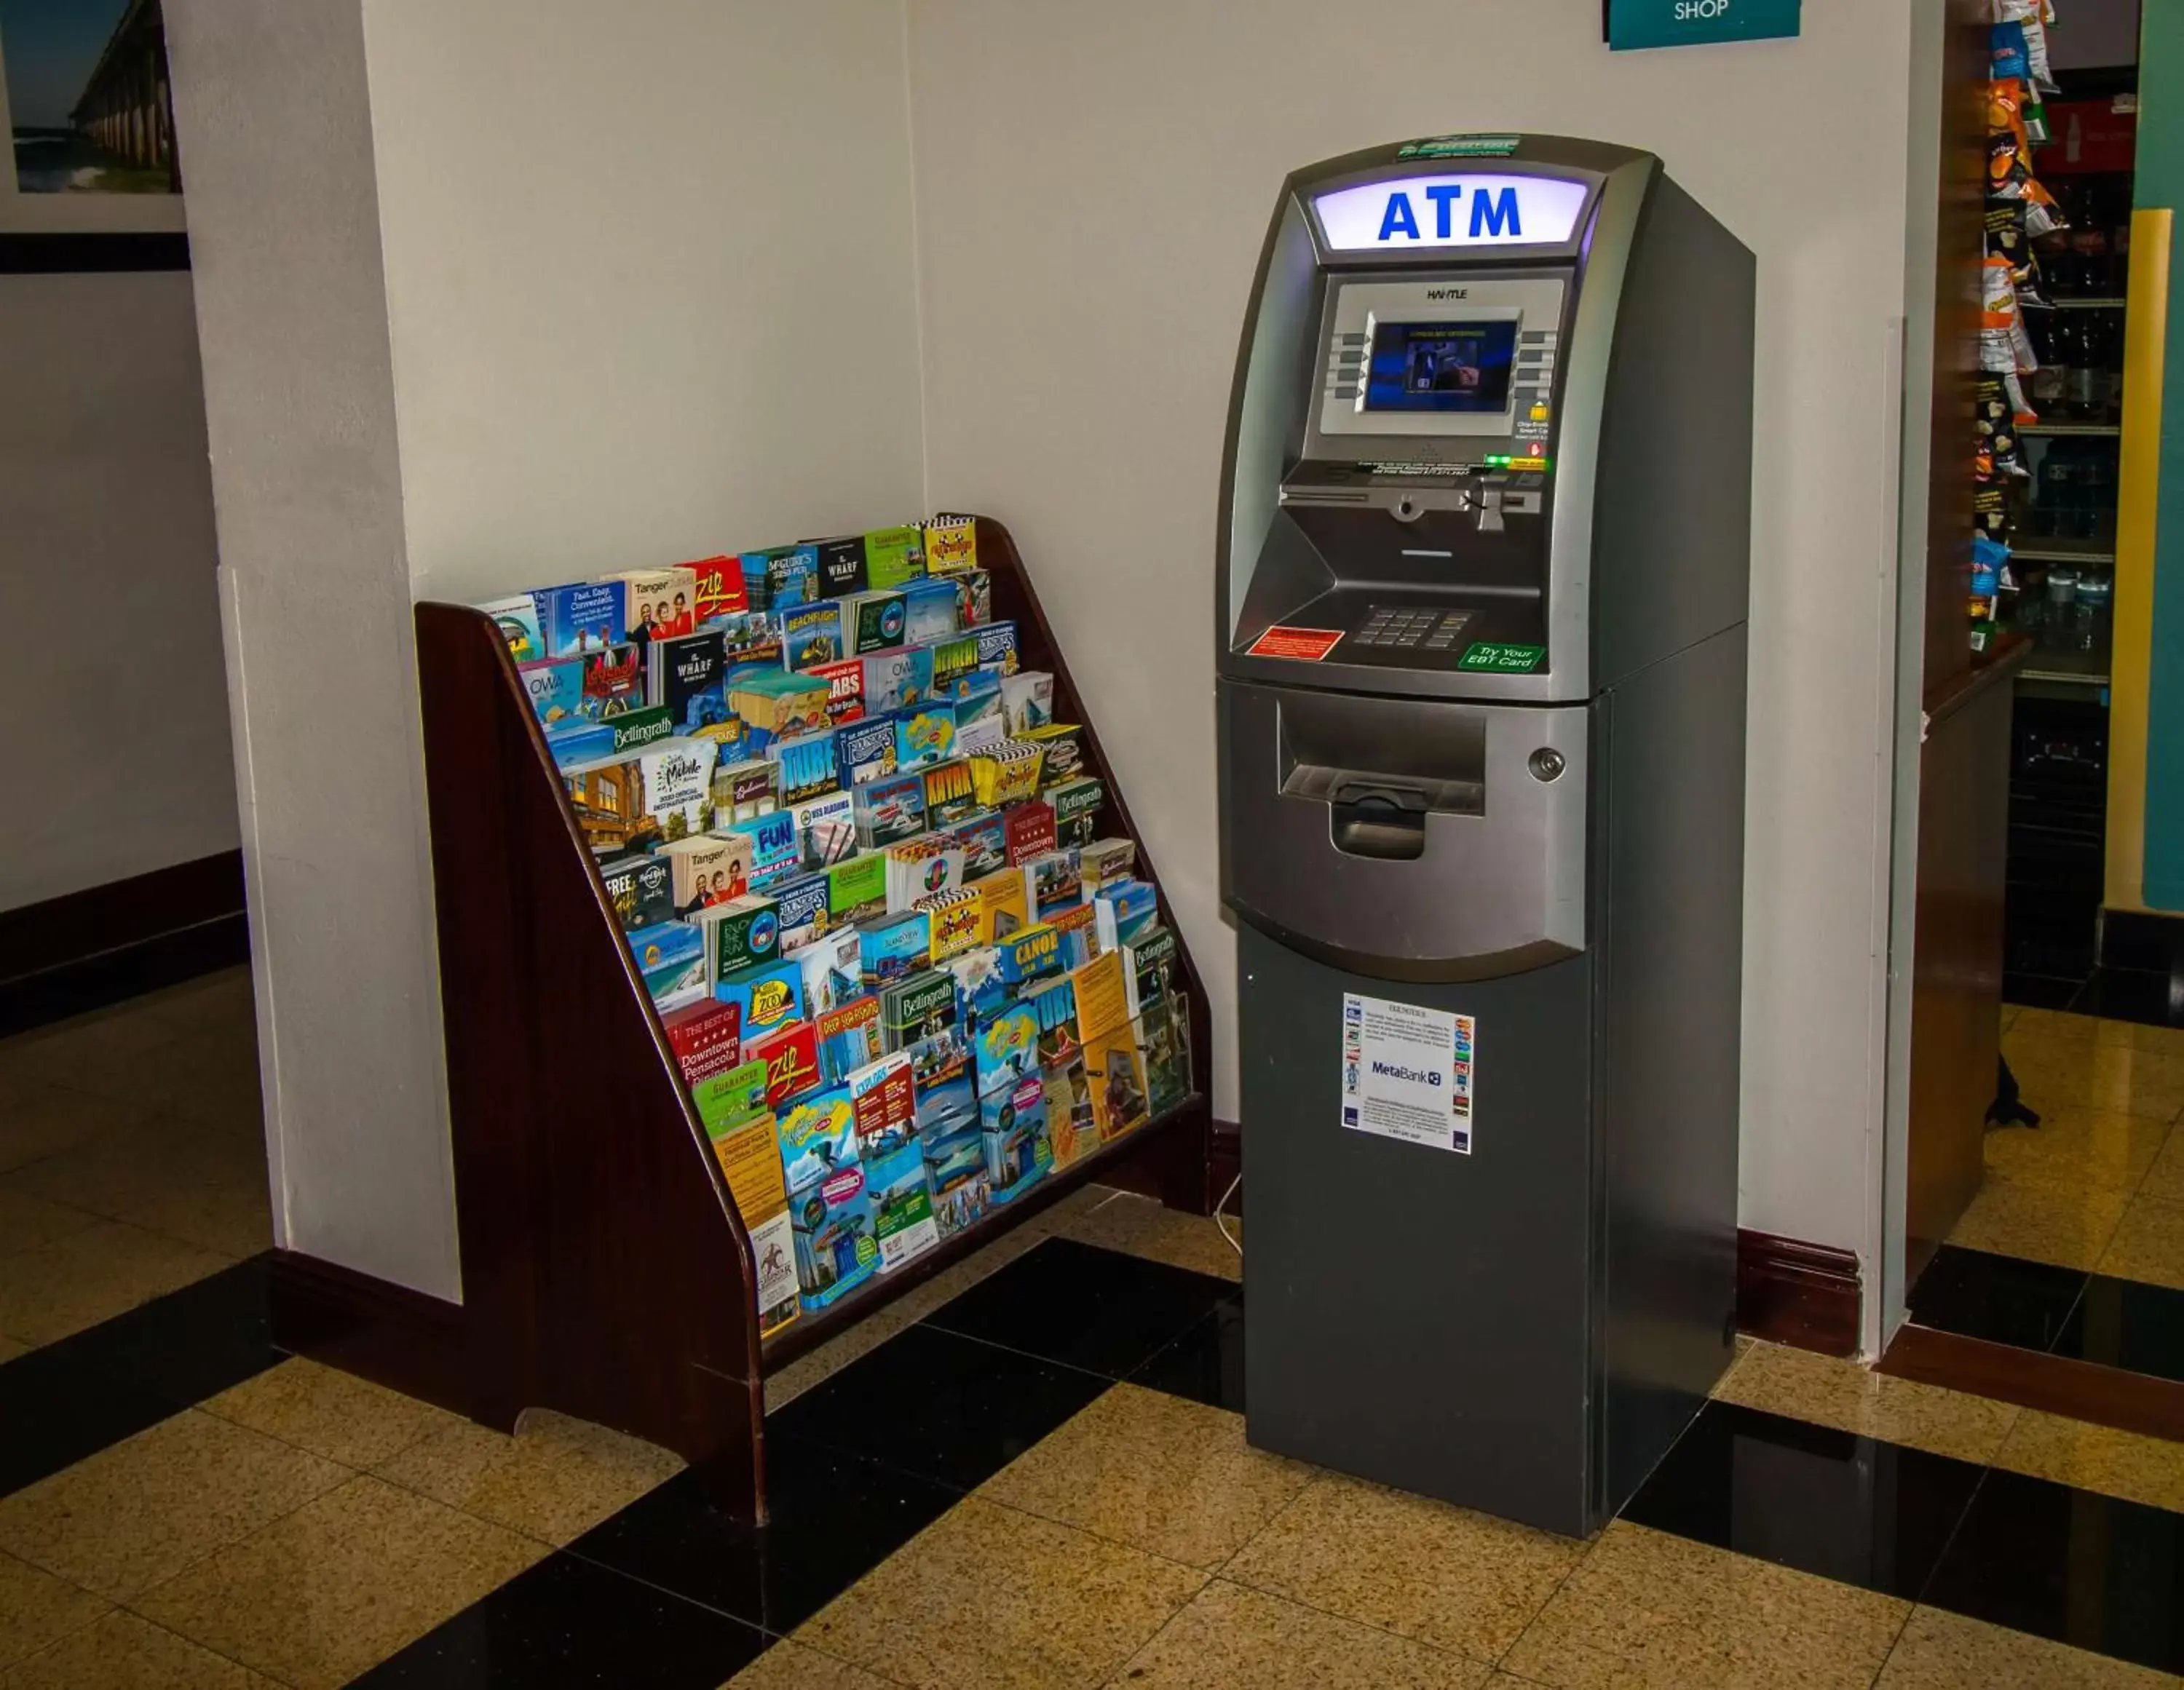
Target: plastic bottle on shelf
{"points": [[2060, 622]]}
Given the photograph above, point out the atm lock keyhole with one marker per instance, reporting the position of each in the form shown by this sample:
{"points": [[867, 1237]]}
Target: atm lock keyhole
{"points": [[1408, 510], [1388, 822]]}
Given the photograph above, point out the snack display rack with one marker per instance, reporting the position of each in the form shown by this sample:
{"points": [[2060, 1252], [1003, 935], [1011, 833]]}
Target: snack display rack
{"points": [[606, 1272]]}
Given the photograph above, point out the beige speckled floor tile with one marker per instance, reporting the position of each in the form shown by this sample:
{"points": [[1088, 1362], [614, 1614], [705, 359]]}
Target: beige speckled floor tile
{"points": [[2069, 1226], [92, 1276], [2097, 1458], [1232, 1638], [1422, 1569], [2165, 1179], [142, 1509], [122, 1652], [1829, 1391], [554, 1479], [988, 1597], [330, 1413], [167, 1175], [2055, 1073], [10, 1349], [91, 1053], [1157, 1472], [161, 1065], [1944, 1651], [339, 1585], [2148, 1244], [1139, 1226], [38, 1608], [791, 1666], [2079, 1147], [27, 1222], [2010, 1011], [2061, 1026], [1646, 1610], [875, 1329], [209, 1003], [38, 1120]]}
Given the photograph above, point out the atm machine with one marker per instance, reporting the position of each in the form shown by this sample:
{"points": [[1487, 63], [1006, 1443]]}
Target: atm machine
{"points": [[1485, 556]]}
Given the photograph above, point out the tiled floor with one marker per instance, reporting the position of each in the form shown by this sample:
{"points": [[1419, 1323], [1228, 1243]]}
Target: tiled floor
{"points": [[1032, 1471], [2098, 1185]]}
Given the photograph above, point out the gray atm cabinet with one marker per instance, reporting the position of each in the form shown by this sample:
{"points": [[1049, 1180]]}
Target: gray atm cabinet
{"points": [[1484, 559]]}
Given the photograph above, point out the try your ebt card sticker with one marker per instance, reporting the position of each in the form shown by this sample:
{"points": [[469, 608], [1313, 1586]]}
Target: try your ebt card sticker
{"points": [[1408, 1072]]}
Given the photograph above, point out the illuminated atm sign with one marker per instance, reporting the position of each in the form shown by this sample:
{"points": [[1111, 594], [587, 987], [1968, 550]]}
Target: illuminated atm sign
{"points": [[1450, 211]]}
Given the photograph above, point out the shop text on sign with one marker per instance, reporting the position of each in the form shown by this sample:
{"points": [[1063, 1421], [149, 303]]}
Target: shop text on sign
{"points": [[1693, 22]]}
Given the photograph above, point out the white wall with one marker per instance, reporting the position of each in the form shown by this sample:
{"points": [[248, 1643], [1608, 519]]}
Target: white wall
{"points": [[106, 574], [493, 294], [1092, 184], [273, 118], [650, 274]]}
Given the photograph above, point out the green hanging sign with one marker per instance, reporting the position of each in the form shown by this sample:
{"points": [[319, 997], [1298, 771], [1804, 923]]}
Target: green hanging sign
{"points": [[1697, 23]]}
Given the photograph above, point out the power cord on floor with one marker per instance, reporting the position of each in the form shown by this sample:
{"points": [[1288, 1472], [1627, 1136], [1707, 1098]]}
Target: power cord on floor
{"points": [[1234, 1242]]}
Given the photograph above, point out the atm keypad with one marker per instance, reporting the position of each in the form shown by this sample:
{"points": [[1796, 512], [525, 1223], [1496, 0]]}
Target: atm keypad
{"points": [[1408, 627]]}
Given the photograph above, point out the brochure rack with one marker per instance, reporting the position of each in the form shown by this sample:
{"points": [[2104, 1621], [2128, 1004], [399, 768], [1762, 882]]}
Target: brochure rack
{"points": [[606, 1273]]}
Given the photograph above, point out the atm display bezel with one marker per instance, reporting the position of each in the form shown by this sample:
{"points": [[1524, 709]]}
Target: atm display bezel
{"points": [[1352, 296]]}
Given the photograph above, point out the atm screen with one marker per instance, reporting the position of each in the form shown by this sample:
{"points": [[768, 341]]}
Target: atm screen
{"points": [[1440, 366]]}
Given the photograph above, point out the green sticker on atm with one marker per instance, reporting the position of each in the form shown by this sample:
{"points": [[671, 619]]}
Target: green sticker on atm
{"points": [[1495, 659], [1459, 147]]}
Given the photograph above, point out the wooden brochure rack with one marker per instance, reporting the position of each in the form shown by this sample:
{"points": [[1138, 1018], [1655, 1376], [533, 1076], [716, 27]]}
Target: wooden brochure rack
{"points": [[606, 1273]]}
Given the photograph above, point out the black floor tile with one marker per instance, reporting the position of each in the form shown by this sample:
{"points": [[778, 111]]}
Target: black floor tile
{"points": [[76, 1396], [53, 1414], [2126, 994], [2141, 941], [1084, 1307], [2083, 1569], [935, 1404], [1205, 1364], [2004, 1299], [2123, 1323], [567, 1622], [2040, 991], [1826, 1501], [835, 1517]]}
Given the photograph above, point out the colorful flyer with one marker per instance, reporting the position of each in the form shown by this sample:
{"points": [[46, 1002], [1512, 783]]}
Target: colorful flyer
{"points": [[1408, 1072]]}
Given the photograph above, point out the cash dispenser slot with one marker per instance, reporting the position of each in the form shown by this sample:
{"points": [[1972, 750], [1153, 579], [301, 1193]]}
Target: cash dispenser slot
{"points": [[1381, 811], [1362, 811]]}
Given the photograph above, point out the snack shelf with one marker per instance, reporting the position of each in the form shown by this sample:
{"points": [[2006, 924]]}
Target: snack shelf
{"points": [[2100, 430], [606, 1273], [2084, 304]]}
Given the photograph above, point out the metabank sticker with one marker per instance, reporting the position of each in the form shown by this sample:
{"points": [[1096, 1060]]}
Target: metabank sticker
{"points": [[1408, 1072], [1309, 645]]}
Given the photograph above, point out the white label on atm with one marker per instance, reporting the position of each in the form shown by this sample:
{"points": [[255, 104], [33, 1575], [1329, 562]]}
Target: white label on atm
{"points": [[1407, 1072], [1468, 210]]}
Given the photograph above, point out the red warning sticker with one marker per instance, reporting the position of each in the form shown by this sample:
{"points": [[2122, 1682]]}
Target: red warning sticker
{"points": [[1308, 645]]}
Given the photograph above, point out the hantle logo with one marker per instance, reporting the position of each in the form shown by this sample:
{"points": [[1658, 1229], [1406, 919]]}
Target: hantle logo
{"points": [[1448, 293], [1393, 1070]]}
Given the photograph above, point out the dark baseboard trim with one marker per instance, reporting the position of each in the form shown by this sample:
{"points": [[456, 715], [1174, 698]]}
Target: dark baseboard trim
{"points": [[1789, 1292], [373, 1328], [2142, 939], [92, 251], [2053, 1384], [91, 949]]}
